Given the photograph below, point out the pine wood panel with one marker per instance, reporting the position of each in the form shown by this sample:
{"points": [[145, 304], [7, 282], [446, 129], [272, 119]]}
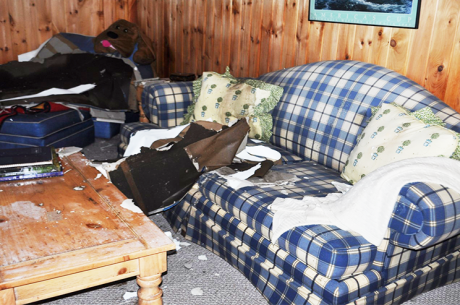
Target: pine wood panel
{"points": [[268, 35], [445, 27], [251, 37], [25, 24]]}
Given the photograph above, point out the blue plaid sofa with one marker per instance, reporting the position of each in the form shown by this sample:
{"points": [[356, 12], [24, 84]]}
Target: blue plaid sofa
{"points": [[316, 123]]}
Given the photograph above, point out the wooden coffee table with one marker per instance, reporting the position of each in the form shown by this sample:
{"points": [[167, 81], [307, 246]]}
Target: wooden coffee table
{"points": [[64, 234]]}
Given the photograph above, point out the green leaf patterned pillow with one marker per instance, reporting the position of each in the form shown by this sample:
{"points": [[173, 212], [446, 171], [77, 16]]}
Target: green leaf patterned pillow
{"points": [[224, 98], [394, 134]]}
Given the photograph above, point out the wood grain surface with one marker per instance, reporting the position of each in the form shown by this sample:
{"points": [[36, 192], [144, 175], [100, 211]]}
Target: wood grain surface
{"points": [[65, 225]]}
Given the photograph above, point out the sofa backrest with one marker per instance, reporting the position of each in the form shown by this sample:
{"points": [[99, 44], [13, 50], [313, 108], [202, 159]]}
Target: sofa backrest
{"points": [[326, 105]]}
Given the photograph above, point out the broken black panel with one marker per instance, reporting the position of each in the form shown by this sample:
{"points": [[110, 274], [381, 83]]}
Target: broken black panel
{"points": [[157, 179]]}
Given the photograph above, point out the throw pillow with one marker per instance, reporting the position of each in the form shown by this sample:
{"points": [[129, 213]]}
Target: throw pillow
{"points": [[224, 99], [394, 134]]}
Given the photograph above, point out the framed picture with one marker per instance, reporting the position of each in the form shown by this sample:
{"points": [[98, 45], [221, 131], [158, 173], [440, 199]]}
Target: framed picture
{"points": [[391, 13]]}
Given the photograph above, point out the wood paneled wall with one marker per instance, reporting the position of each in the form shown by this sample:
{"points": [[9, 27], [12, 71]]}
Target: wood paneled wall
{"points": [[253, 37], [25, 24]]}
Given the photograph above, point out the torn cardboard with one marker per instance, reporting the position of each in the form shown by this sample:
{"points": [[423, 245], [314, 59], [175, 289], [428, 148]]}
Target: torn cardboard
{"points": [[157, 179]]}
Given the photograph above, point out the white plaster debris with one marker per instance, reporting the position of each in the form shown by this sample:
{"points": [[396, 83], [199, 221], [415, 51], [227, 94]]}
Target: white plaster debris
{"points": [[98, 176], [67, 151], [284, 192], [145, 138], [188, 265], [216, 274], [259, 153], [202, 257], [341, 187], [197, 291], [129, 205], [105, 167], [67, 171], [245, 155], [264, 151], [129, 295], [238, 180], [79, 188], [179, 244]]}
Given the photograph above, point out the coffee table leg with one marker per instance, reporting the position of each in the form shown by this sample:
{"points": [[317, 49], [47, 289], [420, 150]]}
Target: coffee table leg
{"points": [[149, 279], [7, 297]]}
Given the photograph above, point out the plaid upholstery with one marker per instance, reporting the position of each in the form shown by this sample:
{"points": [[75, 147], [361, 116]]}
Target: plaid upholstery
{"points": [[333, 252], [165, 104], [129, 129], [283, 279], [400, 261], [280, 277], [432, 216], [443, 271], [322, 111], [324, 106]]}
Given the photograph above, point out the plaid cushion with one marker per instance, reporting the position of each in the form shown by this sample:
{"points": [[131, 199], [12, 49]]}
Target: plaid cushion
{"points": [[165, 104], [431, 216], [279, 276], [331, 251], [324, 106]]}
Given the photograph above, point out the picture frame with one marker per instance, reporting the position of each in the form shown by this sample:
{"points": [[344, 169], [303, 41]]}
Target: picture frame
{"points": [[388, 13]]}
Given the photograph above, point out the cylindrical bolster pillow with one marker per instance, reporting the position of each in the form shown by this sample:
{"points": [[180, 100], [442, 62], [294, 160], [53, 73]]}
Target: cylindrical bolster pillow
{"points": [[425, 214]]}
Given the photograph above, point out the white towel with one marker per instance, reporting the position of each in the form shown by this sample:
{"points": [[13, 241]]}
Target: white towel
{"points": [[367, 207]]}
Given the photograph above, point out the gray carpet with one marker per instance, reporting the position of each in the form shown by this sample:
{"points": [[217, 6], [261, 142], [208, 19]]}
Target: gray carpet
{"points": [[220, 283]]}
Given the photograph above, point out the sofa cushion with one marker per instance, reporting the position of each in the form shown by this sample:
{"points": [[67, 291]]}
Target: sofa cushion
{"points": [[58, 129], [165, 104], [333, 252], [394, 134], [224, 98]]}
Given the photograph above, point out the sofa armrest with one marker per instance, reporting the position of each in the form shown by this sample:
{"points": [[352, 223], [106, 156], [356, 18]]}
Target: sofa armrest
{"points": [[425, 214], [165, 104]]}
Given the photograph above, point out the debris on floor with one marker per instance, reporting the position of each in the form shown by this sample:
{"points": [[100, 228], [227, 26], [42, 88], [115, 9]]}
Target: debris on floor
{"points": [[197, 291], [202, 258], [179, 244], [129, 295]]}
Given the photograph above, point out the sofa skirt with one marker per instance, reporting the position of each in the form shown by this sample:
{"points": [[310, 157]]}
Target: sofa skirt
{"points": [[283, 279]]}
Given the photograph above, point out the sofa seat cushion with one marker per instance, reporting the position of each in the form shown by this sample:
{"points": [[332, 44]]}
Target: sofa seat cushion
{"points": [[58, 129], [331, 251]]}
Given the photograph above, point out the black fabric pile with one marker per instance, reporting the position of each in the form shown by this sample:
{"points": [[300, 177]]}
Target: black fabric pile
{"points": [[110, 75]]}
